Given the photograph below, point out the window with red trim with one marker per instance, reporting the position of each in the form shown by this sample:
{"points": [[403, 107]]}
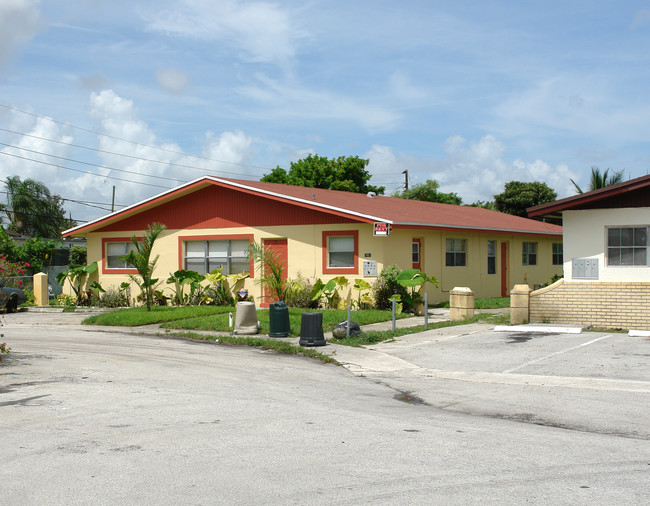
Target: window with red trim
{"points": [[114, 250], [229, 255], [206, 253], [341, 252]]}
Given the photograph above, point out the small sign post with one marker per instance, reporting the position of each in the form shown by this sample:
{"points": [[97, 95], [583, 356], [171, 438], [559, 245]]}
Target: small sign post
{"points": [[381, 229]]}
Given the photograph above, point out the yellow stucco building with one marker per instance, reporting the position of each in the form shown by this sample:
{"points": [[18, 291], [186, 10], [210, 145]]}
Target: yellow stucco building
{"points": [[324, 233]]}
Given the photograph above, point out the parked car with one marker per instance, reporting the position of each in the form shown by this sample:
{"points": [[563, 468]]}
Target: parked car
{"points": [[11, 298]]}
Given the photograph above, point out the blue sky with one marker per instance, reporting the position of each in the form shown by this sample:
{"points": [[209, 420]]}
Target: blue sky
{"points": [[144, 95]]}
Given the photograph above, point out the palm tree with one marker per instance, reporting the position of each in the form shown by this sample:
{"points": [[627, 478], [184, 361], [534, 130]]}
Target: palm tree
{"points": [[601, 180], [140, 259], [33, 210]]}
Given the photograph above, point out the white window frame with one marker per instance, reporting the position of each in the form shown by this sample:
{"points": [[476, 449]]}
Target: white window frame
{"points": [[126, 246], [212, 258], [635, 248], [343, 247]]}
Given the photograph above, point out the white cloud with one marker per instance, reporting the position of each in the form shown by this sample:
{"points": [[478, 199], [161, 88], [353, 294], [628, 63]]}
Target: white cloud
{"points": [[229, 147], [172, 80], [19, 23], [261, 31], [474, 170], [28, 157], [150, 161]]}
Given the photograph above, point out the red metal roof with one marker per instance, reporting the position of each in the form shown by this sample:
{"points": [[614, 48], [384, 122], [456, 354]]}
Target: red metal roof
{"points": [[610, 196], [400, 213]]}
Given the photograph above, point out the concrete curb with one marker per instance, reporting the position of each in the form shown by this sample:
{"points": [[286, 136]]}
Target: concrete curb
{"points": [[539, 329]]}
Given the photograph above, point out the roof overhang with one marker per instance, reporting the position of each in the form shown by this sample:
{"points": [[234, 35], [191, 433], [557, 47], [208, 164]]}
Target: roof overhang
{"points": [[589, 199], [204, 182]]}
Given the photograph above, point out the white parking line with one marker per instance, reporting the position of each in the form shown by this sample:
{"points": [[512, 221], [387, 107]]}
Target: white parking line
{"points": [[531, 362]]}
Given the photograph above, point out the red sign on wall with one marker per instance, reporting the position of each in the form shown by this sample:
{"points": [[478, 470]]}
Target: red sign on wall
{"points": [[381, 229]]}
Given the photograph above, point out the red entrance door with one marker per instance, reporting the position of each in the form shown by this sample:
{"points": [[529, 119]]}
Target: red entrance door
{"points": [[278, 247]]}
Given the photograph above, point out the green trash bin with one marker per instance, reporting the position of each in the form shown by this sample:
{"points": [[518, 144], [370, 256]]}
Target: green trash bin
{"points": [[279, 320]]}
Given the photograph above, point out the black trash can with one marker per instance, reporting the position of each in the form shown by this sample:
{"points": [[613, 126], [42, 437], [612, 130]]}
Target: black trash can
{"points": [[311, 330], [279, 320]]}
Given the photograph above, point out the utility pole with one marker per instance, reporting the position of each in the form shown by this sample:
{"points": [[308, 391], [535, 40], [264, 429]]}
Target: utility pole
{"points": [[113, 203], [406, 180]]}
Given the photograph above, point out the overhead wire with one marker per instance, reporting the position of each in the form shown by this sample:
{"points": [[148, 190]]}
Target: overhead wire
{"points": [[85, 171], [172, 151], [88, 163], [106, 152], [391, 185]]}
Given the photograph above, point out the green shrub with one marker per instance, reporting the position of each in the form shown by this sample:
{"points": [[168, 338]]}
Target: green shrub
{"points": [[298, 293], [66, 300], [78, 255], [386, 286], [113, 298], [30, 297]]}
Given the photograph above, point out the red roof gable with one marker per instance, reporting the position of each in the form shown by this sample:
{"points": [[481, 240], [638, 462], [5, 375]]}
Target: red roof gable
{"points": [[632, 193], [351, 206]]}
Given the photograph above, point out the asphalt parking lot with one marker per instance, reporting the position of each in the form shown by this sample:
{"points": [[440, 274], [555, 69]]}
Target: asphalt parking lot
{"points": [[591, 381], [462, 415]]}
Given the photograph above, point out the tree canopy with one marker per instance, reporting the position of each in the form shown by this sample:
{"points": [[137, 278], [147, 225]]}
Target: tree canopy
{"points": [[519, 196], [32, 210], [601, 180], [345, 173], [428, 192]]}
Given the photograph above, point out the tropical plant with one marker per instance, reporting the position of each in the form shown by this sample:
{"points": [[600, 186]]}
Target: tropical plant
{"points": [[386, 287], [77, 277], [600, 180], [182, 278], [271, 271], [140, 259], [328, 290], [361, 285], [414, 279], [35, 251], [32, 210], [78, 255]]}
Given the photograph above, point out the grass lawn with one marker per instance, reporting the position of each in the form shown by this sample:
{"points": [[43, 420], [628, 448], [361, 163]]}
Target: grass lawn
{"points": [[215, 318], [134, 316]]}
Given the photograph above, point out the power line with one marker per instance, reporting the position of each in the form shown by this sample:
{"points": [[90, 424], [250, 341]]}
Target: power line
{"points": [[35, 215], [85, 171], [6, 106], [89, 163], [133, 157]]}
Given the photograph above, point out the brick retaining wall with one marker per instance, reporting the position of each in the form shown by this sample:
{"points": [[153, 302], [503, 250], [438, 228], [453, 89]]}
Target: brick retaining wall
{"points": [[607, 305]]}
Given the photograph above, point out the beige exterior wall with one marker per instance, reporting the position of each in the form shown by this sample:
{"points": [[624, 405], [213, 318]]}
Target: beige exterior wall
{"points": [[305, 256], [623, 305], [585, 237]]}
